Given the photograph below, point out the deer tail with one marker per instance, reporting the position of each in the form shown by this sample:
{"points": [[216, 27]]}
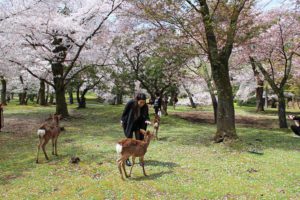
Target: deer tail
{"points": [[41, 132]]}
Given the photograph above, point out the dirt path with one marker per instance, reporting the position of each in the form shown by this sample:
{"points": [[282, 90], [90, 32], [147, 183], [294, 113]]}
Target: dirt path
{"points": [[248, 121]]}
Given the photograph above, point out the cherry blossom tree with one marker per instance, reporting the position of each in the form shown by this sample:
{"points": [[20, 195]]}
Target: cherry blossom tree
{"points": [[64, 35], [274, 52]]}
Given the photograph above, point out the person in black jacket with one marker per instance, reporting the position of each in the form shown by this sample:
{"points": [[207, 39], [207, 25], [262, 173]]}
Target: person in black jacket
{"points": [[135, 117], [157, 103], [295, 128]]}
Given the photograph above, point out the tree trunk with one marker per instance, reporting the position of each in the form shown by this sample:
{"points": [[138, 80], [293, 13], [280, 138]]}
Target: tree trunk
{"points": [[215, 106], [189, 95], [259, 96], [3, 91], [165, 105], [23, 97], [12, 95], [119, 99], [61, 105], [38, 98], [212, 95], [266, 96], [78, 95], [225, 114], [47, 94], [259, 88], [42, 98], [281, 110], [51, 100], [71, 98], [82, 100]]}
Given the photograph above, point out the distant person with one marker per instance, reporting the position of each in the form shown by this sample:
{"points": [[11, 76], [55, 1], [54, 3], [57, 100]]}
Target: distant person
{"points": [[8, 98], [157, 103], [295, 128], [135, 117], [1, 117], [175, 100]]}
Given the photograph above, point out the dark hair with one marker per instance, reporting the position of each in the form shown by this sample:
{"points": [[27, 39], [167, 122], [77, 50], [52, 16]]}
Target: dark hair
{"points": [[136, 108], [140, 96], [157, 94]]}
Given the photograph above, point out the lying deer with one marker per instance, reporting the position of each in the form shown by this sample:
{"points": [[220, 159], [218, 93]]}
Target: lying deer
{"points": [[48, 130], [156, 124], [135, 148]]}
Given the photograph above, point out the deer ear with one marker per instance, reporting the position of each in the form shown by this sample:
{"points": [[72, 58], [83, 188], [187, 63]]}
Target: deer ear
{"points": [[142, 131]]}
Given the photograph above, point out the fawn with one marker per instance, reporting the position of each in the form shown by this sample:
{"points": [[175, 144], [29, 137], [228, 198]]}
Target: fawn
{"points": [[156, 124], [48, 130], [135, 148]]}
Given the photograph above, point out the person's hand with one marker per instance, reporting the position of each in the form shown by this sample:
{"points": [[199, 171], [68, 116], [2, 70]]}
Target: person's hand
{"points": [[121, 122], [148, 122], [291, 116]]}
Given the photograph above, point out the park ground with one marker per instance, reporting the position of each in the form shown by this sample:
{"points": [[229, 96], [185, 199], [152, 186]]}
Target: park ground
{"points": [[184, 164]]}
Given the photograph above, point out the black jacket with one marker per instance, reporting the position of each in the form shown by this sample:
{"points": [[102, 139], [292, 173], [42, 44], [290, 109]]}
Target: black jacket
{"points": [[157, 103], [128, 118], [296, 118]]}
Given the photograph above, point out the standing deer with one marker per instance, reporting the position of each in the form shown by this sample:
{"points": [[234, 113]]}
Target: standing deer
{"points": [[135, 148], [49, 130], [156, 124]]}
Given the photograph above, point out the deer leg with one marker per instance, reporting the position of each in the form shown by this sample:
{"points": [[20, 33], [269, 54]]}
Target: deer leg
{"points": [[38, 151], [156, 133], [143, 165], [120, 170], [123, 166], [120, 162], [44, 150], [53, 144], [133, 162]]}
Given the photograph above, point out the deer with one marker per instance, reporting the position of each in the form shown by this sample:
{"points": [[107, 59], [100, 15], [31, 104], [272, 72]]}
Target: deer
{"points": [[156, 124], [48, 130], [135, 148]]}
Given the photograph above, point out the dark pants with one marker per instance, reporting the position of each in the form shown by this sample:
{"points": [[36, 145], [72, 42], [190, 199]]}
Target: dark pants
{"points": [[296, 129], [156, 109], [136, 129]]}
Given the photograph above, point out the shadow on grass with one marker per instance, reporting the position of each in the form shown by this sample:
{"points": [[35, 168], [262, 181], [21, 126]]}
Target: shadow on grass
{"points": [[266, 139], [151, 176], [161, 164]]}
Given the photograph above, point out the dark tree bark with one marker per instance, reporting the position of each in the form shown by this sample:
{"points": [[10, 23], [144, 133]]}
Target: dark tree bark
{"points": [[81, 99], [225, 107], [278, 89], [164, 105], [23, 95], [219, 58], [47, 94], [51, 100], [211, 90], [71, 98], [59, 85], [215, 106], [119, 99], [259, 89], [189, 95], [42, 96], [3, 91], [282, 110]]}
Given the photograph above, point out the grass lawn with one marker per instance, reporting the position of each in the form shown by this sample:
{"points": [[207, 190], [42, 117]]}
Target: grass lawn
{"points": [[183, 164]]}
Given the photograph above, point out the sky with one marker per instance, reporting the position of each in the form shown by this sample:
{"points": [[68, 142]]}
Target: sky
{"points": [[270, 4]]}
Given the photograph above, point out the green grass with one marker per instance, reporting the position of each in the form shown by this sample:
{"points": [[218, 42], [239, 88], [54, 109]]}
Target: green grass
{"points": [[183, 164]]}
